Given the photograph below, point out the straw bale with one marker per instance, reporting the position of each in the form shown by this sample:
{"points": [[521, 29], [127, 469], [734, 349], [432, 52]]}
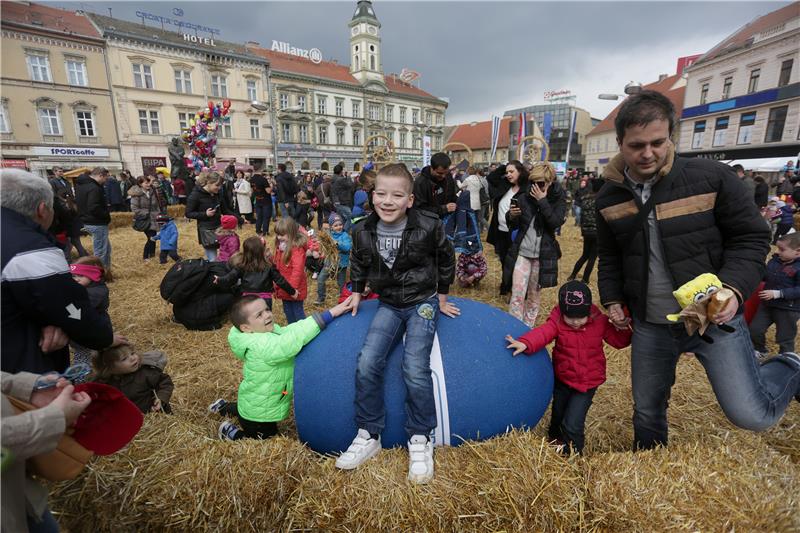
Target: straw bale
{"points": [[176, 475], [124, 219]]}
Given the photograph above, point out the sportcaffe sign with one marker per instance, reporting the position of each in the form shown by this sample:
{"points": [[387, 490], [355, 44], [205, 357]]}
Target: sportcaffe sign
{"points": [[285, 48]]}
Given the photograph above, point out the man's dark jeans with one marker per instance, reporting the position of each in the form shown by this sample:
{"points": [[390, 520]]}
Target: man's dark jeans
{"points": [[753, 396]]}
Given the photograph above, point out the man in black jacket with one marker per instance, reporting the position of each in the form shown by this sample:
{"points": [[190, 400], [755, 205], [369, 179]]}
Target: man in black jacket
{"points": [[434, 188], [42, 306], [663, 220], [93, 211], [342, 189], [287, 191]]}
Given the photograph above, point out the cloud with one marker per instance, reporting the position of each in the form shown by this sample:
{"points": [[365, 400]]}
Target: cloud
{"points": [[488, 57]]}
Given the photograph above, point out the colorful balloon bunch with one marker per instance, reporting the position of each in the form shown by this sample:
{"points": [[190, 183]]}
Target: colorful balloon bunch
{"points": [[201, 135]]}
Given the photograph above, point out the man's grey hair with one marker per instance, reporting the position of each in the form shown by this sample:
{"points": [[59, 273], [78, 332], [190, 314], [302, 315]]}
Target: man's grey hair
{"points": [[22, 192]]}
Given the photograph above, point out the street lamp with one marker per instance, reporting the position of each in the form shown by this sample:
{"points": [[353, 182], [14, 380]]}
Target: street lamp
{"points": [[632, 87]]}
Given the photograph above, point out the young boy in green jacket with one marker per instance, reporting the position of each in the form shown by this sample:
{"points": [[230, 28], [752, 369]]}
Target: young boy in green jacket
{"points": [[268, 351]]}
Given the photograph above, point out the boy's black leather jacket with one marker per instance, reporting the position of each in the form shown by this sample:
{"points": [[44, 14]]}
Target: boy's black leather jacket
{"points": [[425, 263]]}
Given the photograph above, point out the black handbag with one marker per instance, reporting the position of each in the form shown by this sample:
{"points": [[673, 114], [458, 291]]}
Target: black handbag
{"points": [[208, 238], [141, 222]]}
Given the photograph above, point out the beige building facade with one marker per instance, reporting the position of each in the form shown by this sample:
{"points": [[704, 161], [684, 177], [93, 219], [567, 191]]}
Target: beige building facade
{"points": [[56, 101], [743, 95], [160, 79], [324, 111]]}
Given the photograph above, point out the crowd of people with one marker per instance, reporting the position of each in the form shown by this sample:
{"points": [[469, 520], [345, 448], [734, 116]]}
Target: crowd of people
{"points": [[655, 221]]}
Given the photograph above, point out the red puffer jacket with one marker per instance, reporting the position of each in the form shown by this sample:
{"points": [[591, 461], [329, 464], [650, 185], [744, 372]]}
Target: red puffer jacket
{"points": [[578, 357], [294, 272]]}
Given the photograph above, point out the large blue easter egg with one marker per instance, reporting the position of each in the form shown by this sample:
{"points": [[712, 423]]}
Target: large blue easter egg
{"points": [[479, 388]]}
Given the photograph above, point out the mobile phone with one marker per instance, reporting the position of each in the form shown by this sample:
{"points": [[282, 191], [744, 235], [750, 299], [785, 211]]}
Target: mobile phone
{"points": [[215, 207], [514, 203]]}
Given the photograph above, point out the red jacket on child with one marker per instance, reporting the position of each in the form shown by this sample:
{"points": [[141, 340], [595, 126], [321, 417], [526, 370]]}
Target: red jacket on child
{"points": [[578, 357], [294, 272]]}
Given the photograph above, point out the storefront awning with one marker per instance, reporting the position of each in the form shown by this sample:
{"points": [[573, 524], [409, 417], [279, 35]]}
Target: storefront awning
{"points": [[765, 164]]}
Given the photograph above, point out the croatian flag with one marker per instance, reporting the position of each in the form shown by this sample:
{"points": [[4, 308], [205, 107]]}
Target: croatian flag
{"points": [[523, 132], [495, 135]]}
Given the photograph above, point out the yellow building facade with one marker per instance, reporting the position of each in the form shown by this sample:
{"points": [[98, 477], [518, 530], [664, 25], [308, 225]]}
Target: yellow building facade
{"points": [[56, 100], [160, 79]]}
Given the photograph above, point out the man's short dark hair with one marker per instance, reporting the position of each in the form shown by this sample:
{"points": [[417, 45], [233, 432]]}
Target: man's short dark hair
{"points": [[440, 160], [281, 167], [338, 169], [237, 312], [642, 109], [738, 168], [99, 171]]}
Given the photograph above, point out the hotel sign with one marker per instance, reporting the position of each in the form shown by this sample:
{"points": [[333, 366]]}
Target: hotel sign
{"points": [[70, 151], [198, 40], [285, 48]]}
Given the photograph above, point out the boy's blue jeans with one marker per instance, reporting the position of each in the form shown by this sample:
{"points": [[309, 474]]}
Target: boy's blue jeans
{"points": [[751, 395], [386, 330]]}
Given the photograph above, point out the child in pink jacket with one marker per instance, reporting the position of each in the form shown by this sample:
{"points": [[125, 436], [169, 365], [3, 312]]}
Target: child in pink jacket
{"points": [[579, 329], [227, 238]]}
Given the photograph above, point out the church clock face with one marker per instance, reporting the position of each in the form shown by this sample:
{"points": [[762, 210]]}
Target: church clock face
{"points": [[372, 30], [354, 31]]}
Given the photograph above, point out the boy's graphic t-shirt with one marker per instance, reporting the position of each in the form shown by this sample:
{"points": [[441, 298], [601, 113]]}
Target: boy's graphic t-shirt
{"points": [[389, 238]]}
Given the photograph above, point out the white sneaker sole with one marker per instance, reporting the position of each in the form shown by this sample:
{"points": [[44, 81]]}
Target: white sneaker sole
{"points": [[353, 466]]}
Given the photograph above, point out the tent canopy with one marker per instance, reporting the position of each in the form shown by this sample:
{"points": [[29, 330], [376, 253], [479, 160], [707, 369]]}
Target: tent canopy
{"points": [[766, 164]]}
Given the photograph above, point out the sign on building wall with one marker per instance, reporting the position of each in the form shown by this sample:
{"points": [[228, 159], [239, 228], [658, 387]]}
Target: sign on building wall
{"points": [[70, 151], [14, 163], [149, 164], [426, 150], [285, 48]]}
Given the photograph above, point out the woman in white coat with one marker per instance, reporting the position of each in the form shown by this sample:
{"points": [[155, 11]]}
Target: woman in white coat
{"points": [[244, 193]]}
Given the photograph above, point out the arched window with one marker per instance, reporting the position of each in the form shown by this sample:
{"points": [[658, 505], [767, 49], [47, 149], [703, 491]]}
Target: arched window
{"points": [[305, 165], [357, 166], [355, 62], [372, 62], [324, 166]]}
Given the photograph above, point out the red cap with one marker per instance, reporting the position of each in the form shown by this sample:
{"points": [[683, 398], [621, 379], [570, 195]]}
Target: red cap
{"points": [[229, 222], [109, 423]]}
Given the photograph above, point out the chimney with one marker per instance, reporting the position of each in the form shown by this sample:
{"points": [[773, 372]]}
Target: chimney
{"points": [[662, 77]]}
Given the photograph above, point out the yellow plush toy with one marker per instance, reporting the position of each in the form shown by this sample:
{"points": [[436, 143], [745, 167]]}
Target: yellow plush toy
{"points": [[700, 299]]}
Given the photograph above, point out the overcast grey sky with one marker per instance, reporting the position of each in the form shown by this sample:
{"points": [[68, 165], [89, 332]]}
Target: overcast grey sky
{"points": [[487, 57]]}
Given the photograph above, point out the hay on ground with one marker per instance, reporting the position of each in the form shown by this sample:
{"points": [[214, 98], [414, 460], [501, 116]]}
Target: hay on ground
{"points": [[177, 476]]}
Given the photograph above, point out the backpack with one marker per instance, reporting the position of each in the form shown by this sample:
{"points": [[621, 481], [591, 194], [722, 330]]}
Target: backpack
{"points": [[484, 195], [182, 280]]}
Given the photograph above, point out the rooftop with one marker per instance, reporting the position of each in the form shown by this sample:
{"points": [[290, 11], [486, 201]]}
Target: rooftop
{"points": [[761, 28], [479, 136], [47, 18]]}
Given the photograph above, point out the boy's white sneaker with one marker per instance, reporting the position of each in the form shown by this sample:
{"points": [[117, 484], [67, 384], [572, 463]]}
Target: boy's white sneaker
{"points": [[361, 449], [420, 459], [217, 406]]}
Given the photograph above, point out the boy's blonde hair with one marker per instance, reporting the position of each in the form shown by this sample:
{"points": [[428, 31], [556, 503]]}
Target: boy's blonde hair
{"points": [[396, 170]]}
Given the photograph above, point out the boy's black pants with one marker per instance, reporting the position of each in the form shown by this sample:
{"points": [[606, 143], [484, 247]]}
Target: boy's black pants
{"points": [[250, 429], [173, 254], [568, 415]]}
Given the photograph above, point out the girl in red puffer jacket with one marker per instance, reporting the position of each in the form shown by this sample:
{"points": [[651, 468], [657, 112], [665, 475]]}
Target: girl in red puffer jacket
{"points": [[579, 329]]}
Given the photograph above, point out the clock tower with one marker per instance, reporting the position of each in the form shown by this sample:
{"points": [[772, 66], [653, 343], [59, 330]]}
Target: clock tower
{"points": [[365, 45]]}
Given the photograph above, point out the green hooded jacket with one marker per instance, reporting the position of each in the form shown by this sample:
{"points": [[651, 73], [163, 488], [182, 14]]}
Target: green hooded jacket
{"points": [[265, 393]]}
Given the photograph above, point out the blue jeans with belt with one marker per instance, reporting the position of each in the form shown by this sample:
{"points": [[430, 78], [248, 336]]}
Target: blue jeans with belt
{"points": [[753, 396], [418, 322], [101, 245]]}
